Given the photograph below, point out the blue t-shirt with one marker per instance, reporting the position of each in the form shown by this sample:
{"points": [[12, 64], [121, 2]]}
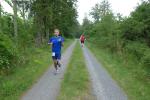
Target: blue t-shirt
{"points": [[56, 43]]}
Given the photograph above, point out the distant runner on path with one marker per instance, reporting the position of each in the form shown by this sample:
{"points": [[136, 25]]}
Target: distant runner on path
{"points": [[82, 39], [56, 42]]}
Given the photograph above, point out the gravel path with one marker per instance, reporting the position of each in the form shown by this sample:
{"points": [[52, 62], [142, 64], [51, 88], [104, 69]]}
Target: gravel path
{"points": [[104, 87], [47, 87]]}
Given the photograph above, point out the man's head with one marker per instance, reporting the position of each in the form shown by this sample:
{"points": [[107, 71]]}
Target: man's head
{"points": [[56, 32]]}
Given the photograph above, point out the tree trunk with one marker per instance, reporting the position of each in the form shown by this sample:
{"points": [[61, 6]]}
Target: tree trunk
{"points": [[0, 17], [23, 13], [15, 19], [47, 34]]}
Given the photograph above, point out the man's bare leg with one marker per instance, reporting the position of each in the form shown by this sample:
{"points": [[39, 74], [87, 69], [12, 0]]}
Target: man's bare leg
{"points": [[55, 64], [58, 63]]}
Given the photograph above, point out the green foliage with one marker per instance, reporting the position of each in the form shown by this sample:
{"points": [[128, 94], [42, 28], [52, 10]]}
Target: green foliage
{"points": [[7, 52], [118, 34], [86, 25], [31, 25], [137, 27], [131, 76], [55, 14], [24, 76], [146, 58], [100, 10], [7, 24], [127, 43], [13, 85]]}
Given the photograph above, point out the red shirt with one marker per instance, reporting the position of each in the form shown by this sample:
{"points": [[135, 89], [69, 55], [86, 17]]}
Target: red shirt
{"points": [[82, 38]]}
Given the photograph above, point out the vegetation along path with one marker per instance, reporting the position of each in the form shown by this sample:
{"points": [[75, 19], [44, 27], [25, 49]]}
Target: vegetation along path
{"points": [[47, 87], [104, 87]]}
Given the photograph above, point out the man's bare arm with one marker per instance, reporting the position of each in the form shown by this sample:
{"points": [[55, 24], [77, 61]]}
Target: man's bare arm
{"points": [[50, 43], [62, 44]]}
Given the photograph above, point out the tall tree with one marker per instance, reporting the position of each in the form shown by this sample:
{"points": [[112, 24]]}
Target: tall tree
{"points": [[15, 18], [0, 16], [105, 8], [24, 7], [86, 26], [96, 12], [50, 14], [137, 27], [13, 4], [100, 10], [42, 14]]}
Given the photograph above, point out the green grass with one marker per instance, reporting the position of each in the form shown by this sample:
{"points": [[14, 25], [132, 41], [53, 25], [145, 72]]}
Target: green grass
{"points": [[23, 77], [128, 75], [76, 84]]}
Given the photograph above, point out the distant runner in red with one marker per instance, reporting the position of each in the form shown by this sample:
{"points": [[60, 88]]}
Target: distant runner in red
{"points": [[82, 39]]}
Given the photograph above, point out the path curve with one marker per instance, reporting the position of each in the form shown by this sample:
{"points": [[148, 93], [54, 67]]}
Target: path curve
{"points": [[48, 86], [104, 87]]}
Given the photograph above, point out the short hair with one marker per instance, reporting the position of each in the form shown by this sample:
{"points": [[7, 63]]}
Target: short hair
{"points": [[56, 29]]}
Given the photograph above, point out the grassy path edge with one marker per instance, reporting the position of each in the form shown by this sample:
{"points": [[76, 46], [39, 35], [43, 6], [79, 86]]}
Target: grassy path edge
{"points": [[76, 83], [23, 78], [134, 88]]}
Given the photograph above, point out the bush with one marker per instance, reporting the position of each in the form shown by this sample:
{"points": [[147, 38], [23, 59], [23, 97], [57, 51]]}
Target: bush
{"points": [[7, 52], [137, 49], [146, 58]]}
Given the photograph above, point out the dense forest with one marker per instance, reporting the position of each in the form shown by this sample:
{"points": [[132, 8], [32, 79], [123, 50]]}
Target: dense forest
{"points": [[31, 25]]}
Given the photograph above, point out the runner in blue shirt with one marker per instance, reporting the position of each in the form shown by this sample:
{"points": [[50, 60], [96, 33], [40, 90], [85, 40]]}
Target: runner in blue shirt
{"points": [[56, 42]]}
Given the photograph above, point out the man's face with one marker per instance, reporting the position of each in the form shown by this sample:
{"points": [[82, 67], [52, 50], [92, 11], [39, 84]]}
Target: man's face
{"points": [[56, 32]]}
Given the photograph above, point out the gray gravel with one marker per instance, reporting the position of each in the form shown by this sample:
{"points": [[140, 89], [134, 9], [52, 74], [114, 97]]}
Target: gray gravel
{"points": [[104, 87], [48, 86]]}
